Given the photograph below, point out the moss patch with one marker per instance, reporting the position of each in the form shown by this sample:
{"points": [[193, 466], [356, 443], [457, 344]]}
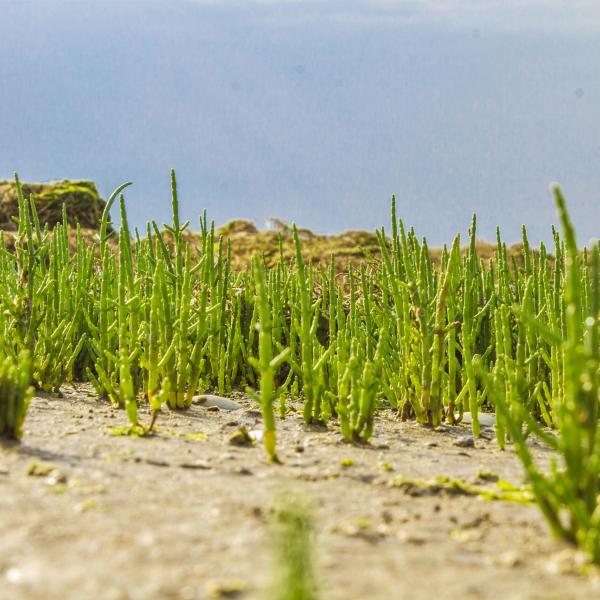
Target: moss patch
{"points": [[81, 199], [447, 486]]}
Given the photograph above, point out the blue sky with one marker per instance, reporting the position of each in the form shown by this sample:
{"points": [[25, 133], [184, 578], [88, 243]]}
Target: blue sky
{"points": [[313, 111]]}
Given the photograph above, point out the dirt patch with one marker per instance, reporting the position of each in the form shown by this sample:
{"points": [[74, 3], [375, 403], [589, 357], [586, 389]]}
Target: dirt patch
{"points": [[184, 514]]}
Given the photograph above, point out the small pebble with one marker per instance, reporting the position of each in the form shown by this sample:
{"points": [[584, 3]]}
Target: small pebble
{"points": [[241, 437], [256, 435], [157, 462], [55, 477], [411, 538], [365, 478], [14, 575], [386, 517], [197, 464], [485, 419], [465, 442], [243, 471], [210, 400], [509, 559]]}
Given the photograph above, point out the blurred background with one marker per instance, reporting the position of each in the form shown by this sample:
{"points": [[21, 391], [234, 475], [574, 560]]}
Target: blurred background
{"points": [[312, 111]]}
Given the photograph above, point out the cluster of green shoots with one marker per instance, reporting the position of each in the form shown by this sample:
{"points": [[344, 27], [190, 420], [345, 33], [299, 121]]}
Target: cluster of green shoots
{"points": [[15, 394], [292, 533], [153, 320], [569, 494]]}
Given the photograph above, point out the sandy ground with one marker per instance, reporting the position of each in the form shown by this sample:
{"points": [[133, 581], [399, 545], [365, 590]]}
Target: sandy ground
{"points": [[86, 514]]}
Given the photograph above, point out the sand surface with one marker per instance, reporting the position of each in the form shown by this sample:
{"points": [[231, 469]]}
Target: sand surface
{"points": [[85, 514]]}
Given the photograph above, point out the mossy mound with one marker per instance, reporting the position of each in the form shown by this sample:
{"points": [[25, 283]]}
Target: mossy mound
{"points": [[349, 248], [237, 226], [83, 203]]}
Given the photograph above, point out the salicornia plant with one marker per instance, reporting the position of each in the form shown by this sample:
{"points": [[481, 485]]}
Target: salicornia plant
{"points": [[158, 318], [266, 365], [15, 394], [568, 494], [292, 532]]}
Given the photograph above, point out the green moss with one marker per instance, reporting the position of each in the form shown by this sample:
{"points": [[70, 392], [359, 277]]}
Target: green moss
{"points": [[195, 436], [443, 485], [131, 430], [81, 199], [37, 469], [237, 226]]}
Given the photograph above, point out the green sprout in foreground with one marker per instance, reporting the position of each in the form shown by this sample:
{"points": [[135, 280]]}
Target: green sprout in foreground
{"points": [[291, 527], [266, 364], [568, 494], [15, 394]]}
